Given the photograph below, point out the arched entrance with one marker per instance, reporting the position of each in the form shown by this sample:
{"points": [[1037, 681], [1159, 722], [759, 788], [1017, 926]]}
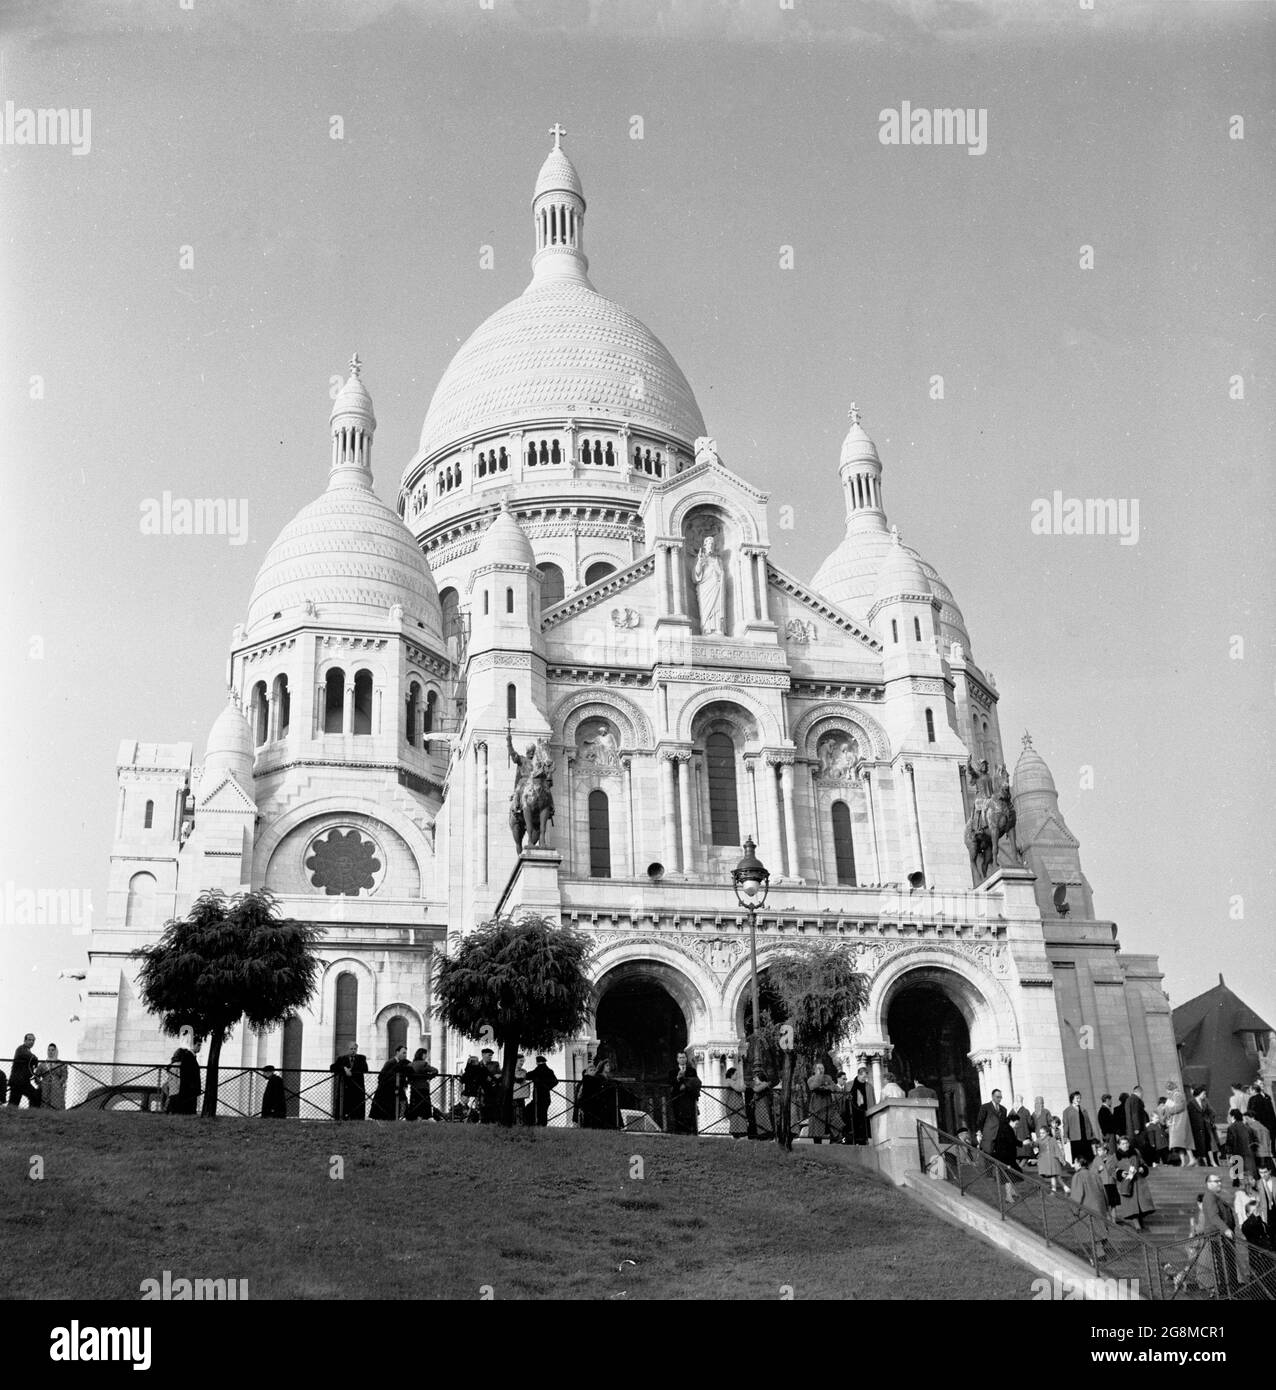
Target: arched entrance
{"points": [[930, 1042], [640, 1027]]}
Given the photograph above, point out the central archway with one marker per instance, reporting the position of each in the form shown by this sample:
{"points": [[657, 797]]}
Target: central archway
{"points": [[640, 1026], [930, 1046]]}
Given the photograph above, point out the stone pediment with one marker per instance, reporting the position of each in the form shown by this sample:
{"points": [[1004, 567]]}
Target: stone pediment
{"points": [[1052, 834], [606, 592], [226, 796], [821, 609]]}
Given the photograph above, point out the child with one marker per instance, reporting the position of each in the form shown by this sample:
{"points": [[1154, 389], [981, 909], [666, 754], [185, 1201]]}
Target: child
{"points": [[1049, 1158], [1105, 1162]]}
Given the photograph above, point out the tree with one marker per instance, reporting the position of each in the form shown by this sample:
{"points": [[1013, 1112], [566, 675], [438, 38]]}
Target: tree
{"points": [[817, 993], [228, 959], [526, 980]]}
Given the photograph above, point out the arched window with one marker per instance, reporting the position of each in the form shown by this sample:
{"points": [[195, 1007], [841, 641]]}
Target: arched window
{"points": [[504, 460], [511, 701], [724, 810], [553, 586], [334, 694], [148, 818], [637, 458], [917, 628], [600, 569], [396, 1034], [283, 706], [584, 451], [139, 909], [509, 600], [431, 700], [531, 454], [482, 466], [410, 718], [930, 727], [346, 1013], [599, 836], [450, 603], [843, 846], [894, 631], [609, 455], [261, 714], [544, 452], [487, 604], [362, 702]]}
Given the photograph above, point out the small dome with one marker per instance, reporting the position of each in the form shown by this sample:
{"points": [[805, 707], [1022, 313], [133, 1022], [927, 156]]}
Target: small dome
{"points": [[1031, 773], [857, 445], [504, 543], [900, 574], [229, 749], [353, 398], [351, 556], [558, 175]]}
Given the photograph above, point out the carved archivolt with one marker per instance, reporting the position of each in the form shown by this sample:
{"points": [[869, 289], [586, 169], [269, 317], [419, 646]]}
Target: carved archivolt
{"points": [[573, 710], [863, 728], [768, 727]]}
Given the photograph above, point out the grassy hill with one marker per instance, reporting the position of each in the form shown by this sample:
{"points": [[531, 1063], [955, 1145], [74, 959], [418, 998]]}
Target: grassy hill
{"points": [[434, 1211]]}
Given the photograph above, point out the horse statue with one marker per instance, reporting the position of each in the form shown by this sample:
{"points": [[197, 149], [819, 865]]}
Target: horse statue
{"points": [[991, 821], [532, 801]]}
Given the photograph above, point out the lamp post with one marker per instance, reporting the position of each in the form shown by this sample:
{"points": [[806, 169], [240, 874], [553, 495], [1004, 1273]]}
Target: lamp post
{"points": [[752, 882]]}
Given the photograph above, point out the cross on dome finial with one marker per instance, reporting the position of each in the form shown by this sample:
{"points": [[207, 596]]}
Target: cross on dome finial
{"points": [[895, 535], [853, 414], [557, 131], [355, 366], [1027, 740]]}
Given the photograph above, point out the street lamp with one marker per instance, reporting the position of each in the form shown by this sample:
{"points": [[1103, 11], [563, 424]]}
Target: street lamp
{"points": [[752, 882]]}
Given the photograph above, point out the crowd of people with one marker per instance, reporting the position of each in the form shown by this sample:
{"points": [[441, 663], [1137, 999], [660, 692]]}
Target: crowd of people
{"points": [[41, 1083]]}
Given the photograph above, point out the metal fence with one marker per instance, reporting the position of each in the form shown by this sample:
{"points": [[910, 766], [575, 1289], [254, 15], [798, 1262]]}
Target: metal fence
{"points": [[1194, 1268]]}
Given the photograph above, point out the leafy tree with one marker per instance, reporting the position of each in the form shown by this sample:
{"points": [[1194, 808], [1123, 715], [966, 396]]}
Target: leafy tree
{"points": [[526, 980], [228, 959], [816, 992]]}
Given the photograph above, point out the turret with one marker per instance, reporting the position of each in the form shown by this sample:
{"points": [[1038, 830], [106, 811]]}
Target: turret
{"points": [[860, 470], [558, 215], [1052, 851]]}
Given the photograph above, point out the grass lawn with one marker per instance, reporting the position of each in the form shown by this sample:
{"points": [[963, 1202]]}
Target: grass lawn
{"points": [[439, 1211]]}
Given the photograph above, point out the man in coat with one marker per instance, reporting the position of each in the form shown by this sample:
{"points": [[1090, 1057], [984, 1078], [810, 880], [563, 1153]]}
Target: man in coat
{"points": [[543, 1082], [993, 1126], [22, 1074], [1108, 1126], [272, 1100], [350, 1069], [1219, 1221], [1136, 1118], [1261, 1108], [1078, 1129]]}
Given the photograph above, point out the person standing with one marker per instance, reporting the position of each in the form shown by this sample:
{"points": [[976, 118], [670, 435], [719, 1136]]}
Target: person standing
{"points": [[350, 1069], [1196, 1126], [763, 1106], [684, 1095], [490, 1102], [733, 1101], [1041, 1116], [1107, 1119], [22, 1075], [1078, 1129], [1242, 1144], [189, 1086], [1262, 1140], [1132, 1186], [1136, 1118], [1261, 1108], [819, 1089], [1211, 1124], [4, 1086], [50, 1077], [1087, 1191], [996, 1137], [272, 1099], [1219, 1223], [522, 1092], [543, 1083], [392, 1081], [1179, 1126], [1049, 1153], [860, 1104], [1106, 1167], [421, 1076]]}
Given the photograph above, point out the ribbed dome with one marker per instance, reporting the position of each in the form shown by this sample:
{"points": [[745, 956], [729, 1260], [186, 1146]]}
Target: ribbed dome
{"points": [[229, 749], [352, 555], [901, 573], [504, 543], [558, 175], [560, 350], [857, 445], [1031, 773]]}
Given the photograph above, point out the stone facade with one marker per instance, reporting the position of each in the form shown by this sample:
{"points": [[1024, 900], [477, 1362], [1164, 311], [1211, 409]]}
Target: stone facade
{"points": [[573, 563]]}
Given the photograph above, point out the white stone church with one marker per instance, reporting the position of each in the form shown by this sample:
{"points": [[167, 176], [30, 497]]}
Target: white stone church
{"points": [[546, 576]]}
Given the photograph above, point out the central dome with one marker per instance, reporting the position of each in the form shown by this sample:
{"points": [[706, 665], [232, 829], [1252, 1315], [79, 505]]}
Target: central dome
{"points": [[560, 350]]}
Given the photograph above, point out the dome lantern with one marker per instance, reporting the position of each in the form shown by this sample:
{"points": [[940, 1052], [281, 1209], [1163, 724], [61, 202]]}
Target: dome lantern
{"points": [[558, 216], [353, 425]]}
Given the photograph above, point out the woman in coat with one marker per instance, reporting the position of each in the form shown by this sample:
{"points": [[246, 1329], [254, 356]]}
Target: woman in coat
{"points": [[860, 1101], [1136, 1203], [419, 1080], [50, 1076], [684, 1096], [1049, 1153], [1106, 1166], [733, 1100], [763, 1106], [1087, 1192], [1180, 1127], [819, 1087], [1241, 1144], [1210, 1120], [391, 1086]]}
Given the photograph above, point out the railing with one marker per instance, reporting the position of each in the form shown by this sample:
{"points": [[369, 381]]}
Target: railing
{"points": [[1198, 1267], [621, 1103]]}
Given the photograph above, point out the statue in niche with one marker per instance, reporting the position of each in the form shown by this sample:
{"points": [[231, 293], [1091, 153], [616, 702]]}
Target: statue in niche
{"points": [[709, 587], [600, 749], [838, 753]]}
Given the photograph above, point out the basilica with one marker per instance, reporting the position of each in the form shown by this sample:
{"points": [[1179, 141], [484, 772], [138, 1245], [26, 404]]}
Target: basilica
{"points": [[574, 577]]}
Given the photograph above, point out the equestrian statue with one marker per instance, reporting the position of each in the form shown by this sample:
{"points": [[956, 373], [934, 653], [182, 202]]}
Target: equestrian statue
{"points": [[531, 801], [992, 819]]}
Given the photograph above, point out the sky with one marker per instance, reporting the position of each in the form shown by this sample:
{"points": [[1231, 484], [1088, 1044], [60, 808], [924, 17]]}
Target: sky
{"points": [[175, 302]]}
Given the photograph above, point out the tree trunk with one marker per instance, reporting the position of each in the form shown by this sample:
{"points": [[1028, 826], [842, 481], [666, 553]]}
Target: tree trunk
{"points": [[508, 1065], [210, 1080], [784, 1127]]}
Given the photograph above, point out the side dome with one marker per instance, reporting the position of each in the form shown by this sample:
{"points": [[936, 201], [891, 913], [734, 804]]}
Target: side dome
{"points": [[1032, 774], [348, 554], [229, 749], [504, 543], [902, 573]]}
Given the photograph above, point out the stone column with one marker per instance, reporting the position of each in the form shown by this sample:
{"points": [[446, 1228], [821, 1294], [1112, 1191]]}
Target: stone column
{"points": [[569, 783], [790, 820], [683, 773], [668, 773], [321, 708], [272, 719], [770, 810], [677, 560], [662, 579], [482, 794], [376, 710], [627, 772], [764, 603], [347, 711], [867, 778], [817, 821]]}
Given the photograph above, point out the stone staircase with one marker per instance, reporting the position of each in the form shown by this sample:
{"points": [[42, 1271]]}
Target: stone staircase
{"points": [[1175, 1190]]}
